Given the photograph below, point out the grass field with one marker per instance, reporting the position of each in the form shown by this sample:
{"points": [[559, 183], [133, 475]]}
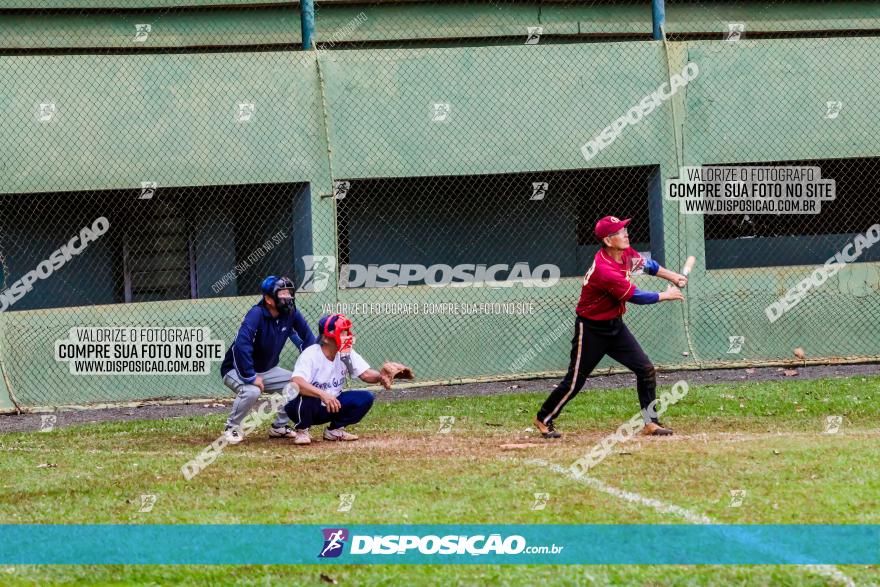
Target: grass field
{"points": [[764, 438]]}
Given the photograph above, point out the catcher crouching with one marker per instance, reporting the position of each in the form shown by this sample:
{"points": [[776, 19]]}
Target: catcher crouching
{"points": [[320, 373]]}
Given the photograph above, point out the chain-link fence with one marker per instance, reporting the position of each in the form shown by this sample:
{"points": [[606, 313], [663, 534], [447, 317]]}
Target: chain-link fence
{"points": [[432, 169]]}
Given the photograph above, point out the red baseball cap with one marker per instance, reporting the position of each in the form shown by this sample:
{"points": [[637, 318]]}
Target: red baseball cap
{"points": [[609, 225]]}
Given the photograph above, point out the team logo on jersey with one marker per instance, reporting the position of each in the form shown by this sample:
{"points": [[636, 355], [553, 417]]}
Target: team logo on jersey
{"points": [[614, 219]]}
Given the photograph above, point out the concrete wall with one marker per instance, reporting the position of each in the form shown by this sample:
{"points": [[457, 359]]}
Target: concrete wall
{"points": [[366, 114]]}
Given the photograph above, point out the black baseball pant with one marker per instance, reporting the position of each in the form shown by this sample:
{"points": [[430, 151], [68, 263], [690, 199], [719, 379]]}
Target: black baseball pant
{"points": [[593, 339]]}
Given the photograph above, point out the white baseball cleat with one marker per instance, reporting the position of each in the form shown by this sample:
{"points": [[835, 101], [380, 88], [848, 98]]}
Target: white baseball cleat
{"points": [[233, 435], [302, 437], [339, 434], [282, 432]]}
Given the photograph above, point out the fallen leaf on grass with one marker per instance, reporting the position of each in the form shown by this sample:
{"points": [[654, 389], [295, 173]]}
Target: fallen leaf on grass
{"points": [[328, 579], [46, 465]]}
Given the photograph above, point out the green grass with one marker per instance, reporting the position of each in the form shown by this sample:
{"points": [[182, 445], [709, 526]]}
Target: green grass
{"points": [[764, 438]]}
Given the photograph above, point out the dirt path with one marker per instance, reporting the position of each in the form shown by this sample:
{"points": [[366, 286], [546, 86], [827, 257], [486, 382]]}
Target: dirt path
{"points": [[32, 422]]}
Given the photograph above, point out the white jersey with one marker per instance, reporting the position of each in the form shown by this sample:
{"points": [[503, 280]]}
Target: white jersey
{"points": [[324, 374]]}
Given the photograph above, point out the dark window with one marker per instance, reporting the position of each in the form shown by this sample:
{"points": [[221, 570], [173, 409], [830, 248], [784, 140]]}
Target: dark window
{"points": [[542, 217], [764, 240], [177, 243]]}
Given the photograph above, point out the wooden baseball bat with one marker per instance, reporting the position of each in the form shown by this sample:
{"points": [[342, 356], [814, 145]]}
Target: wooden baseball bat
{"points": [[688, 265]]}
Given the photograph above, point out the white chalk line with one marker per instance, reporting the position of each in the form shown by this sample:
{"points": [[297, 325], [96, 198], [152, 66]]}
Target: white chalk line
{"points": [[830, 571]]}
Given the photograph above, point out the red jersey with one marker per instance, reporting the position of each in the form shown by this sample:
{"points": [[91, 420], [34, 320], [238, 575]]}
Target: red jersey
{"points": [[607, 286]]}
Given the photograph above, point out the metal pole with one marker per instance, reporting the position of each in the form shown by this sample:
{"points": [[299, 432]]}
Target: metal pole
{"points": [[658, 13], [307, 11]]}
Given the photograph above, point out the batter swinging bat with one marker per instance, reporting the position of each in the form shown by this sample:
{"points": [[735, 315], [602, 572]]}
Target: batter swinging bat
{"points": [[688, 265]]}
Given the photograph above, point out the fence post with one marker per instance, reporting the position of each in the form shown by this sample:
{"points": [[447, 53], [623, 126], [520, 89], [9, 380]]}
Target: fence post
{"points": [[658, 14], [307, 14]]}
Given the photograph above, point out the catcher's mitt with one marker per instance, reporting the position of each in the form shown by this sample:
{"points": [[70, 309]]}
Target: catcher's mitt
{"points": [[391, 371]]}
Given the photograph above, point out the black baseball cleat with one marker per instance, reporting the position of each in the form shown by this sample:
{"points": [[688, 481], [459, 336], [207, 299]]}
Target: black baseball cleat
{"points": [[547, 430], [656, 429]]}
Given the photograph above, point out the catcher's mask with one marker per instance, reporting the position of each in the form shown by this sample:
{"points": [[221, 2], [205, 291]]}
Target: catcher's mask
{"points": [[338, 328], [273, 285]]}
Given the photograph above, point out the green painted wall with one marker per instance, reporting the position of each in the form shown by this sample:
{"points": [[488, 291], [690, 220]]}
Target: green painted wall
{"points": [[254, 22], [171, 118], [164, 118]]}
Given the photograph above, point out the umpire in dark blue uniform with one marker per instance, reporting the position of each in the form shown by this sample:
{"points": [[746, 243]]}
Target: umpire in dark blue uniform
{"points": [[251, 363]]}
